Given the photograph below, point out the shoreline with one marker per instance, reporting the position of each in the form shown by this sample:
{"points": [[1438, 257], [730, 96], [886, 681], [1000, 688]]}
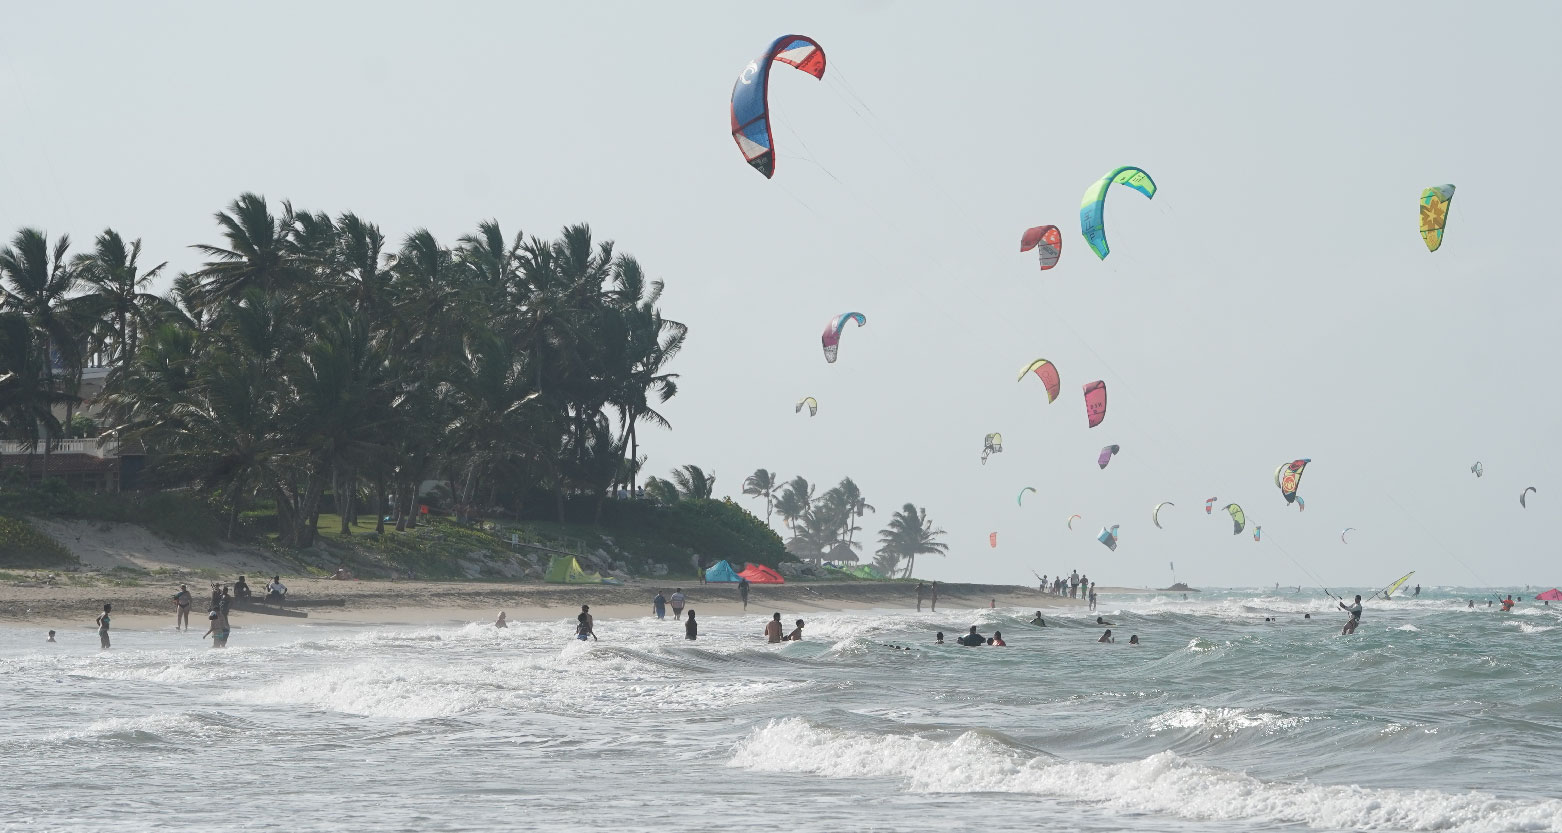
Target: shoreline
{"points": [[149, 603]]}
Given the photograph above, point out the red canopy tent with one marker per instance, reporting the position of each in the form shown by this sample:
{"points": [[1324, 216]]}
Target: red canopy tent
{"points": [[760, 574]]}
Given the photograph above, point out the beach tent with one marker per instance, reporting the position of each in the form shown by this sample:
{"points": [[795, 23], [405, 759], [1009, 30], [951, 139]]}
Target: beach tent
{"points": [[866, 571], [721, 571], [564, 569], [760, 574], [1552, 595]]}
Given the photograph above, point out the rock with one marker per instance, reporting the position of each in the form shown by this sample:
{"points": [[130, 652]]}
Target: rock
{"points": [[658, 570]]}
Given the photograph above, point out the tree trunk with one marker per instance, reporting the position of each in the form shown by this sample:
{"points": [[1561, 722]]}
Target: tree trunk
{"points": [[379, 505]]}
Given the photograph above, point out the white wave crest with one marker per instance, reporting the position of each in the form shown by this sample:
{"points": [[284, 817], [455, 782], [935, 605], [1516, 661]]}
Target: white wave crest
{"points": [[1164, 783]]}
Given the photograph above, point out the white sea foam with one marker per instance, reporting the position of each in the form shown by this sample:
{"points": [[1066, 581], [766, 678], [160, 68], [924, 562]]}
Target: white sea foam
{"points": [[1163, 783], [1222, 722]]}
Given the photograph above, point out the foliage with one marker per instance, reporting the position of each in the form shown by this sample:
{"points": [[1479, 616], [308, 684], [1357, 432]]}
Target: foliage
{"points": [[22, 545], [908, 535], [179, 516]]}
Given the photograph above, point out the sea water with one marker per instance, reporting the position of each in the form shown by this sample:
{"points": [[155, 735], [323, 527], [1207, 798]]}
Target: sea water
{"points": [[1433, 716]]}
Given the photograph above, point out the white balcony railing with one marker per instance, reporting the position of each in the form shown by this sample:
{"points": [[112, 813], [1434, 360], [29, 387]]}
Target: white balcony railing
{"points": [[107, 450]]}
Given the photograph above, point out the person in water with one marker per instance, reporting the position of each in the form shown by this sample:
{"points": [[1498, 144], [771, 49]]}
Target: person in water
{"points": [[51, 636], [1100, 621], [933, 595], [500, 622], [1134, 639], [1038, 621], [797, 633], [1106, 637], [690, 629], [103, 627], [659, 605], [773, 628], [1507, 604], [585, 625], [1354, 610], [997, 640], [972, 639], [182, 601], [743, 592], [921, 594], [1417, 592], [1307, 616], [678, 600], [938, 638]]}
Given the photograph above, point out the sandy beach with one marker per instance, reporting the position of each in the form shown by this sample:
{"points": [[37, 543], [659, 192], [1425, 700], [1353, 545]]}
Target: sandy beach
{"points": [[148, 603]]}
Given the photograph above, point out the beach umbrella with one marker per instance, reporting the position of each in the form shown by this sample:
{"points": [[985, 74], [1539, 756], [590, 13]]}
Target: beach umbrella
{"points": [[1552, 595]]}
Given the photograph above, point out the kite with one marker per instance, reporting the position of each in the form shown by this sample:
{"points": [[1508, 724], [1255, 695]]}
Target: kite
{"points": [[992, 539], [1434, 214], [1288, 476], [1020, 498], [832, 332], [812, 403], [1109, 537], [1092, 209], [1552, 595], [1345, 530], [1388, 592], [1238, 518], [1047, 372], [1478, 469], [1106, 455], [751, 97], [1048, 243], [1095, 402], [1523, 494], [1258, 532], [1301, 505], [991, 444], [1155, 514], [1071, 520], [1209, 506]]}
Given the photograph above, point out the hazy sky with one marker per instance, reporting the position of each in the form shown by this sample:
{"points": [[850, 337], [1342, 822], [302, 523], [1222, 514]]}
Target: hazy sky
{"points": [[1273, 301]]}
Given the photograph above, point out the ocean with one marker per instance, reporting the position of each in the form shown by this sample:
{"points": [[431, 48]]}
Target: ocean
{"points": [[1432, 717]]}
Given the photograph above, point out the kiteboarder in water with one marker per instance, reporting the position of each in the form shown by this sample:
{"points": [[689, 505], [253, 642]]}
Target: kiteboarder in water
{"points": [[1355, 616]]}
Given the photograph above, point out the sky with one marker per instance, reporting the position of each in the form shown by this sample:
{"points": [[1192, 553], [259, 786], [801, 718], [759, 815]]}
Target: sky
{"points": [[1273, 301]]}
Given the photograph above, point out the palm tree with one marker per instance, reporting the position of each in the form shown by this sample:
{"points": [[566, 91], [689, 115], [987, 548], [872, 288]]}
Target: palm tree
{"points": [[261, 252], [693, 483], [37, 279], [909, 535], [796, 500], [27, 397], [855, 503], [762, 483], [119, 302]]}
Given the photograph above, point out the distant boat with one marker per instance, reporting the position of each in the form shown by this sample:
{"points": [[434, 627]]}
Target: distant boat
{"points": [[1179, 587]]}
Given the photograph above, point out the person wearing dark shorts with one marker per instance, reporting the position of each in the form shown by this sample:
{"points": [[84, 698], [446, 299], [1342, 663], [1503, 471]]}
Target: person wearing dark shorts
{"points": [[690, 629], [182, 601], [103, 627]]}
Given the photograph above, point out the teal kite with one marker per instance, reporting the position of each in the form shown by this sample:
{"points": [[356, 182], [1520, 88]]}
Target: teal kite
{"points": [[1092, 209]]}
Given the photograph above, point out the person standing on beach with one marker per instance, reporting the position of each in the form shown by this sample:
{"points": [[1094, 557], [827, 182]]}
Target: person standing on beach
{"points": [[1355, 616], [743, 592], [921, 593], [690, 629], [773, 628], [659, 605], [182, 601], [585, 625], [933, 591], [103, 627], [677, 601]]}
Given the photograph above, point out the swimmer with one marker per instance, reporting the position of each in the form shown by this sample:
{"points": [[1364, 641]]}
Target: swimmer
{"points": [[1307, 616], [1100, 621], [997, 640], [773, 628], [1355, 616], [1038, 621], [1106, 637], [585, 625], [690, 629], [797, 634], [1133, 640], [972, 639], [51, 636], [500, 622], [938, 638]]}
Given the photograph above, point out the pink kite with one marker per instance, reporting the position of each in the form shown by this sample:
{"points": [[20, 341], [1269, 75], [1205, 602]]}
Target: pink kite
{"points": [[1047, 242], [760, 574], [1095, 402], [992, 538], [1552, 595]]}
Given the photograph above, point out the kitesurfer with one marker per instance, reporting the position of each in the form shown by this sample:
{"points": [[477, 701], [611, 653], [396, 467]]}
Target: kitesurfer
{"points": [[1355, 616], [1416, 592], [1507, 604]]}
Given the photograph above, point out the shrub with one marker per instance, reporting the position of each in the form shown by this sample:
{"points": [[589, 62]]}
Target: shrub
{"points": [[22, 545]]}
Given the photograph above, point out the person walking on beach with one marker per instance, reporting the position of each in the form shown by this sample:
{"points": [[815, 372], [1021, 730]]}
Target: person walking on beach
{"points": [[773, 628], [921, 593], [797, 633], [743, 592], [182, 601], [103, 627], [659, 605], [585, 625], [1355, 616], [933, 592], [690, 629], [677, 601]]}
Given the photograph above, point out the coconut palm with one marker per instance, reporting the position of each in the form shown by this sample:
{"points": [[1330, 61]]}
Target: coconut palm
{"points": [[909, 535], [762, 483], [796, 499], [119, 302], [693, 483]]}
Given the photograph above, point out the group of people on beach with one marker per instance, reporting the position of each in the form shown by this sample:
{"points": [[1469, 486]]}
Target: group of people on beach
{"points": [[1072, 586]]}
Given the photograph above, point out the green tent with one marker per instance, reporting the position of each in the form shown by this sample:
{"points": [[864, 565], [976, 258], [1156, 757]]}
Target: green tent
{"points": [[564, 569], [866, 571]]}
